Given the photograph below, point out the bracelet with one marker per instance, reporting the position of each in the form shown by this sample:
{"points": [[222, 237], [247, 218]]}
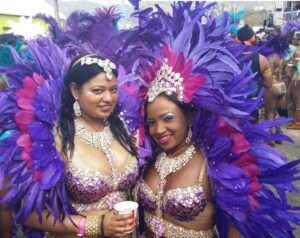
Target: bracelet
{"points": [[92, 226], [81, 226], [102, 225]]}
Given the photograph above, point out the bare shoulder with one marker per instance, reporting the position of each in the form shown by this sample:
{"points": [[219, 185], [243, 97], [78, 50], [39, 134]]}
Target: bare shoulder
{"points": [[264, 63], [200, 158], [263, 60]]}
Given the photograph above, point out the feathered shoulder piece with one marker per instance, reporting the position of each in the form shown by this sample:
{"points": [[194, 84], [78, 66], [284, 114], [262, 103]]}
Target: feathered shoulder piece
{"points": [[28, 114], [250, 178]]}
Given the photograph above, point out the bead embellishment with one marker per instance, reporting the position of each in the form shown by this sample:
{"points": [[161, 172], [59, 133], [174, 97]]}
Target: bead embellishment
{"points": [[96, 139], [183, 203], [166, 166], [107, 202], [167, 81], [100, 140], [107, 65], [172, 230]]}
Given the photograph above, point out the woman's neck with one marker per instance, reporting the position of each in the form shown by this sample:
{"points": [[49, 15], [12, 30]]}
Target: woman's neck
{"points": [[92, 123], [177, 150]]}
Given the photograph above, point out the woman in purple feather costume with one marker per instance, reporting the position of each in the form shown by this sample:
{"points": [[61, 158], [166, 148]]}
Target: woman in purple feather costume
{"points": [[64, 148], [81, 170], [214, 175]]}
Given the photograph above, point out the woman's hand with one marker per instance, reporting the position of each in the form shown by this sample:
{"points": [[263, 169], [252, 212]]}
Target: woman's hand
{"points": [[118, 225]]}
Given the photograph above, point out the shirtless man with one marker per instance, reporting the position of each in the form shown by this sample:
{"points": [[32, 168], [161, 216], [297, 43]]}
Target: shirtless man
{"points": [[261, 66]]}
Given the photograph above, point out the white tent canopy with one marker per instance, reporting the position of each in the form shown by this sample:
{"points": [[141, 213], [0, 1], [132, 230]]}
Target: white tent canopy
{"points": [[27, 8], [68, 6]]}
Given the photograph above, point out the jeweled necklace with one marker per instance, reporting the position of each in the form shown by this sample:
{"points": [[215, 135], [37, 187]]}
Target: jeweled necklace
{"points": [[166, 165], [101, 140]]}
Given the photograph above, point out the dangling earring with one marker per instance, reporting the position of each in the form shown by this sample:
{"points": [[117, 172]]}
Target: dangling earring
{"points": [[76, 108], [105, 122], [188, 138]]}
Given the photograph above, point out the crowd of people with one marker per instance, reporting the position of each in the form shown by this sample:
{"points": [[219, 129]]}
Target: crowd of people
{"points": [[166, 114], [276, 70]]}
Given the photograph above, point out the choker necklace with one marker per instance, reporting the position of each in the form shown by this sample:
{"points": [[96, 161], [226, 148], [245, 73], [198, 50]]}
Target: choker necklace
{"points": [[101, 140], [165, 165], [98, 139]]}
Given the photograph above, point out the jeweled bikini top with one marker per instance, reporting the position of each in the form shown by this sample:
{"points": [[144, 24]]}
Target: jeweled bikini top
{"points": [[88, 186], [181, 203]]}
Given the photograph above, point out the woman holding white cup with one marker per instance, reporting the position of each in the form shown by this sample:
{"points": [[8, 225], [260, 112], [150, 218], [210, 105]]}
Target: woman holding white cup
{"points": [[127, 209]]}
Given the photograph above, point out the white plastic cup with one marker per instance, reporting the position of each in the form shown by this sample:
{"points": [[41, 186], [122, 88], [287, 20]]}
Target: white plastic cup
{"points": [[126, 207]]}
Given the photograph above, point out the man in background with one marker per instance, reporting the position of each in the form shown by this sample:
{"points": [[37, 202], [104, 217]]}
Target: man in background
{"points": [[260, 66]]}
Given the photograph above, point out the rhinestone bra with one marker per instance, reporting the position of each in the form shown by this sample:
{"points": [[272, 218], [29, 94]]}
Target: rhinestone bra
{"points": [[174, 231], [181, 203], [89, 186]]}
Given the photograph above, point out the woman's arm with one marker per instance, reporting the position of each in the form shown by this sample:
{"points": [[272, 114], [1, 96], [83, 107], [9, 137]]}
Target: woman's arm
{"points": [[49, 225], [233, 233], [280, 70], [113, 224], [6, 221], [266, 72]]}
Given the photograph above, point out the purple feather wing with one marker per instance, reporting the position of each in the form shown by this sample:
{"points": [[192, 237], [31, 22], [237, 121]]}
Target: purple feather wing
{"points": [[32, 106]]}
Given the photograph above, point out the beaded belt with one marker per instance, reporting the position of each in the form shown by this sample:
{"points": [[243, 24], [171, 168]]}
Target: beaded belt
{"points": [[170, 230], [107, 202]]}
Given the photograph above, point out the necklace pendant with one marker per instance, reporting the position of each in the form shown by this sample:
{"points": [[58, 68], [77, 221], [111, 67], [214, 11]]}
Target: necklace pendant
{"points": [[166, 166], [100, 140]]}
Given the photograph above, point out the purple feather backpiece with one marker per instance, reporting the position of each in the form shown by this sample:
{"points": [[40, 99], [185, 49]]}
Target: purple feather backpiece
{"points": [[244, 170], [32, 105]]}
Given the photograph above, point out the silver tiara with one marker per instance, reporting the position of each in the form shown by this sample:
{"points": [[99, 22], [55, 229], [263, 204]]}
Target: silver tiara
{"points": [[166, 81], [106, 64]]}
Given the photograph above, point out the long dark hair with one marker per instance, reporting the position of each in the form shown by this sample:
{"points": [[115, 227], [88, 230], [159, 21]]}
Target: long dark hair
{"points": [[80, 74]]}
